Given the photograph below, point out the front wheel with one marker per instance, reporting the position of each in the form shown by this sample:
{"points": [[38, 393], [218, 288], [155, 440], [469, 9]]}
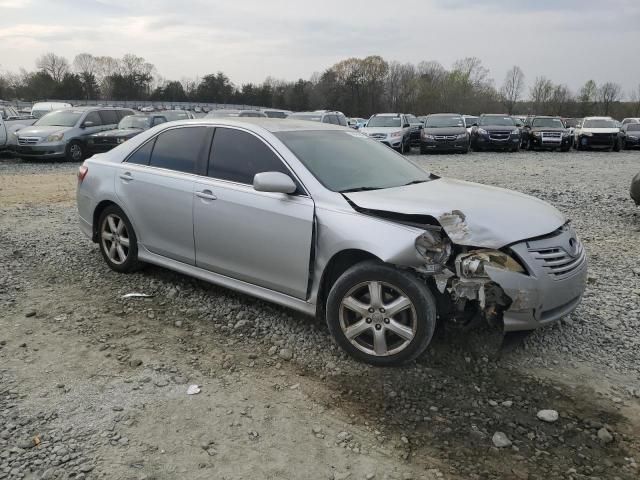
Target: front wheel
{"points": [[118, 241], [381, 315], [75, 151]]}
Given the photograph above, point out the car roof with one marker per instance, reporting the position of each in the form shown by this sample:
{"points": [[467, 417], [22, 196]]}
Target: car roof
{"points": [[272, 125], [387, 114], [446, 115], [598, 118]]}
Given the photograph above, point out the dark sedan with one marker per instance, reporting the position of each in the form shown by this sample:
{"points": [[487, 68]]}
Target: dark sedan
{"points": [[444, 132], [546, 133], [630, 133], [416, 128], [129, 127], [635, 189], [498, 132]]}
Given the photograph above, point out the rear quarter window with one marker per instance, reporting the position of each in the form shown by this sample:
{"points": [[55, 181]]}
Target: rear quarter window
{"points": [[109, 117]]}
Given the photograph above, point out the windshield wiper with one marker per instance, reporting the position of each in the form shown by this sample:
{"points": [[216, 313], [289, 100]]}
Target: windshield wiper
{"points": [[359, 189]]}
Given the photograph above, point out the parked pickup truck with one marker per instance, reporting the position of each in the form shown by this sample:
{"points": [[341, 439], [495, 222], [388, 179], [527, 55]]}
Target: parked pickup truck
{"points": [[11, 121]]}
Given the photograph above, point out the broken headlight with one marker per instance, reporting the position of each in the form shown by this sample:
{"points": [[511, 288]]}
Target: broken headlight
{"points": [[472, 264], [434, 247]]}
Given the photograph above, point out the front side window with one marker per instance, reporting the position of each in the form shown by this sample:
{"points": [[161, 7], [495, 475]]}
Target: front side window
{"points": [[109, 117], [342, 120], [237, 156], [179, 148], [94, 118]]}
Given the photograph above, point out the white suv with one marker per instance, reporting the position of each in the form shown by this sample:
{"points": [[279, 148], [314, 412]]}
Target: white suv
{"points": [[392, 129]]}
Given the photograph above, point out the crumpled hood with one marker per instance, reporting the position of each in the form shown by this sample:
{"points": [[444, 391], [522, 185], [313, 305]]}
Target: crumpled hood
{"points": [[472, 214], [122, 132], [41, 131]]}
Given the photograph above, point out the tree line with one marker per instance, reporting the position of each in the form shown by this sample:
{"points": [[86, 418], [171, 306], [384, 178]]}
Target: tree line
{"points": [[356, 86]]}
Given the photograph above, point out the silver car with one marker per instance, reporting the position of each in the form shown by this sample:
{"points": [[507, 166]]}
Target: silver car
{"points": [[63, 134], [329, 222]]}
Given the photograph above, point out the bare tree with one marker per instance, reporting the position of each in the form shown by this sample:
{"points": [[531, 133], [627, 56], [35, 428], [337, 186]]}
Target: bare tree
{"points": [[541, 93], [560, 98], [85, 64], [512, 88], [609, 93], [54, 65]]}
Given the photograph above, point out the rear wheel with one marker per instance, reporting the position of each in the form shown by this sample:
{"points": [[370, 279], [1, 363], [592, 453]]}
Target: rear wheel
{"points": [[118, 241], [381, 315]]}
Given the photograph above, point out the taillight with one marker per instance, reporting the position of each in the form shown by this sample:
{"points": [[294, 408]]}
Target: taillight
{"points": [[82, 172]]}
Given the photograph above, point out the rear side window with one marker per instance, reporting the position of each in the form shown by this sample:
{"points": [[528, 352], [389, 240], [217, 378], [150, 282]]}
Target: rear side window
{"points": [[237, 156], [94, 118], [142, 155], [109, 117], [179, 148]]}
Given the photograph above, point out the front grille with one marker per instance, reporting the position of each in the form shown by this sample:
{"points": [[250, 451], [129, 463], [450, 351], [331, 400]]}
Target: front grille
{"points": [[557, 261], [28, 140], [551, 137], [499, 135], [378, 136], [447, 138]]}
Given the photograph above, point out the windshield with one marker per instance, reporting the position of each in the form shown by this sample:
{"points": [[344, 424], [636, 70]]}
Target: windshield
{"points": [[634, 127], [135, 121], [272, 114], [599, 124], [468, 121], [442, 121], [344, 161], [384, 121], [412, 119], [497, 120], [61, 118], [252, 114], [572, 122], [547, 122], [305, 116]]}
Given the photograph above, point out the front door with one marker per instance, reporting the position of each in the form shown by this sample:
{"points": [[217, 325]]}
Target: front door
{"points": [[257, 237]]}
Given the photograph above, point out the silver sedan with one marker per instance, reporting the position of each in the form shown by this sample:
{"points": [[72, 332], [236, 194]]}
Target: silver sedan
{"points": [[329, 222]]}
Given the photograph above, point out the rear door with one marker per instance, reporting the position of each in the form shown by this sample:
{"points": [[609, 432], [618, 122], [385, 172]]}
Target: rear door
{"points": [[155, 186], [258, 237]]}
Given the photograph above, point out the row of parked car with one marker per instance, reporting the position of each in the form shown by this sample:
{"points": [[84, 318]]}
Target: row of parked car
{"points": [[74, 133]]}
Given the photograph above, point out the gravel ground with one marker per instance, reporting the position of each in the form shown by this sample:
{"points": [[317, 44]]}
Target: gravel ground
{"points": [[94, 386]]}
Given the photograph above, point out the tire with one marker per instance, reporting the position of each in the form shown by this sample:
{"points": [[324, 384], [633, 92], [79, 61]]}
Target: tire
{"points": [[515, 149], [114, 221], [424, 151], [565, 149], [75, 151], [616, 147], [416, 322]]}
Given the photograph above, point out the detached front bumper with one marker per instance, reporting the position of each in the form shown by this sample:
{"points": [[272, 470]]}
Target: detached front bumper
{"points": [[553, 286]]}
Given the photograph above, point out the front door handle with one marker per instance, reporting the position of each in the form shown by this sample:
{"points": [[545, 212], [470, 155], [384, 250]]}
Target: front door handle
{"points": [[206, 194], [126, 176]]}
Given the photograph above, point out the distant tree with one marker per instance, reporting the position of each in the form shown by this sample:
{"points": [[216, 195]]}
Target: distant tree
{"points": [[588, 98], [215, 88], [634, 98], [55, 66], [512, 88], [70, 87], [541, 93], [560, 99], [608, 94]]}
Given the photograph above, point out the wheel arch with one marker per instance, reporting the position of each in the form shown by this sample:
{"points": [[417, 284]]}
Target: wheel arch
{"points": [[96, 216], [339, 263]]}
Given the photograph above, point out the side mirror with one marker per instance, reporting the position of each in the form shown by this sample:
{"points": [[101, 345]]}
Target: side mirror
{"points": [[86, 124], [275, 182]]}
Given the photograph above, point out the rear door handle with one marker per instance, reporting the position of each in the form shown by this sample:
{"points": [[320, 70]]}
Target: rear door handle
{"points": [[126, 176], [206, 194]]}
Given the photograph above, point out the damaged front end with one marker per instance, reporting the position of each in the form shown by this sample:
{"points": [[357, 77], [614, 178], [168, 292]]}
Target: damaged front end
{"points": [[461, 275]]}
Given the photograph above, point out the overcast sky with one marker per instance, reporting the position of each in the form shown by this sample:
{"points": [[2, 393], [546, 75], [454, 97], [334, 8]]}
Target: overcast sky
{"points": [[569, 41]]}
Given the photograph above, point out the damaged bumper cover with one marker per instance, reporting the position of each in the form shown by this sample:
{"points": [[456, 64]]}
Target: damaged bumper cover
{"points": [[545, 283]]}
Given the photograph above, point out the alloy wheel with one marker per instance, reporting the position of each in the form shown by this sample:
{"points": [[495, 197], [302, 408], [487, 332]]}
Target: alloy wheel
{"points": [[378, 318], [115, 239]]}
